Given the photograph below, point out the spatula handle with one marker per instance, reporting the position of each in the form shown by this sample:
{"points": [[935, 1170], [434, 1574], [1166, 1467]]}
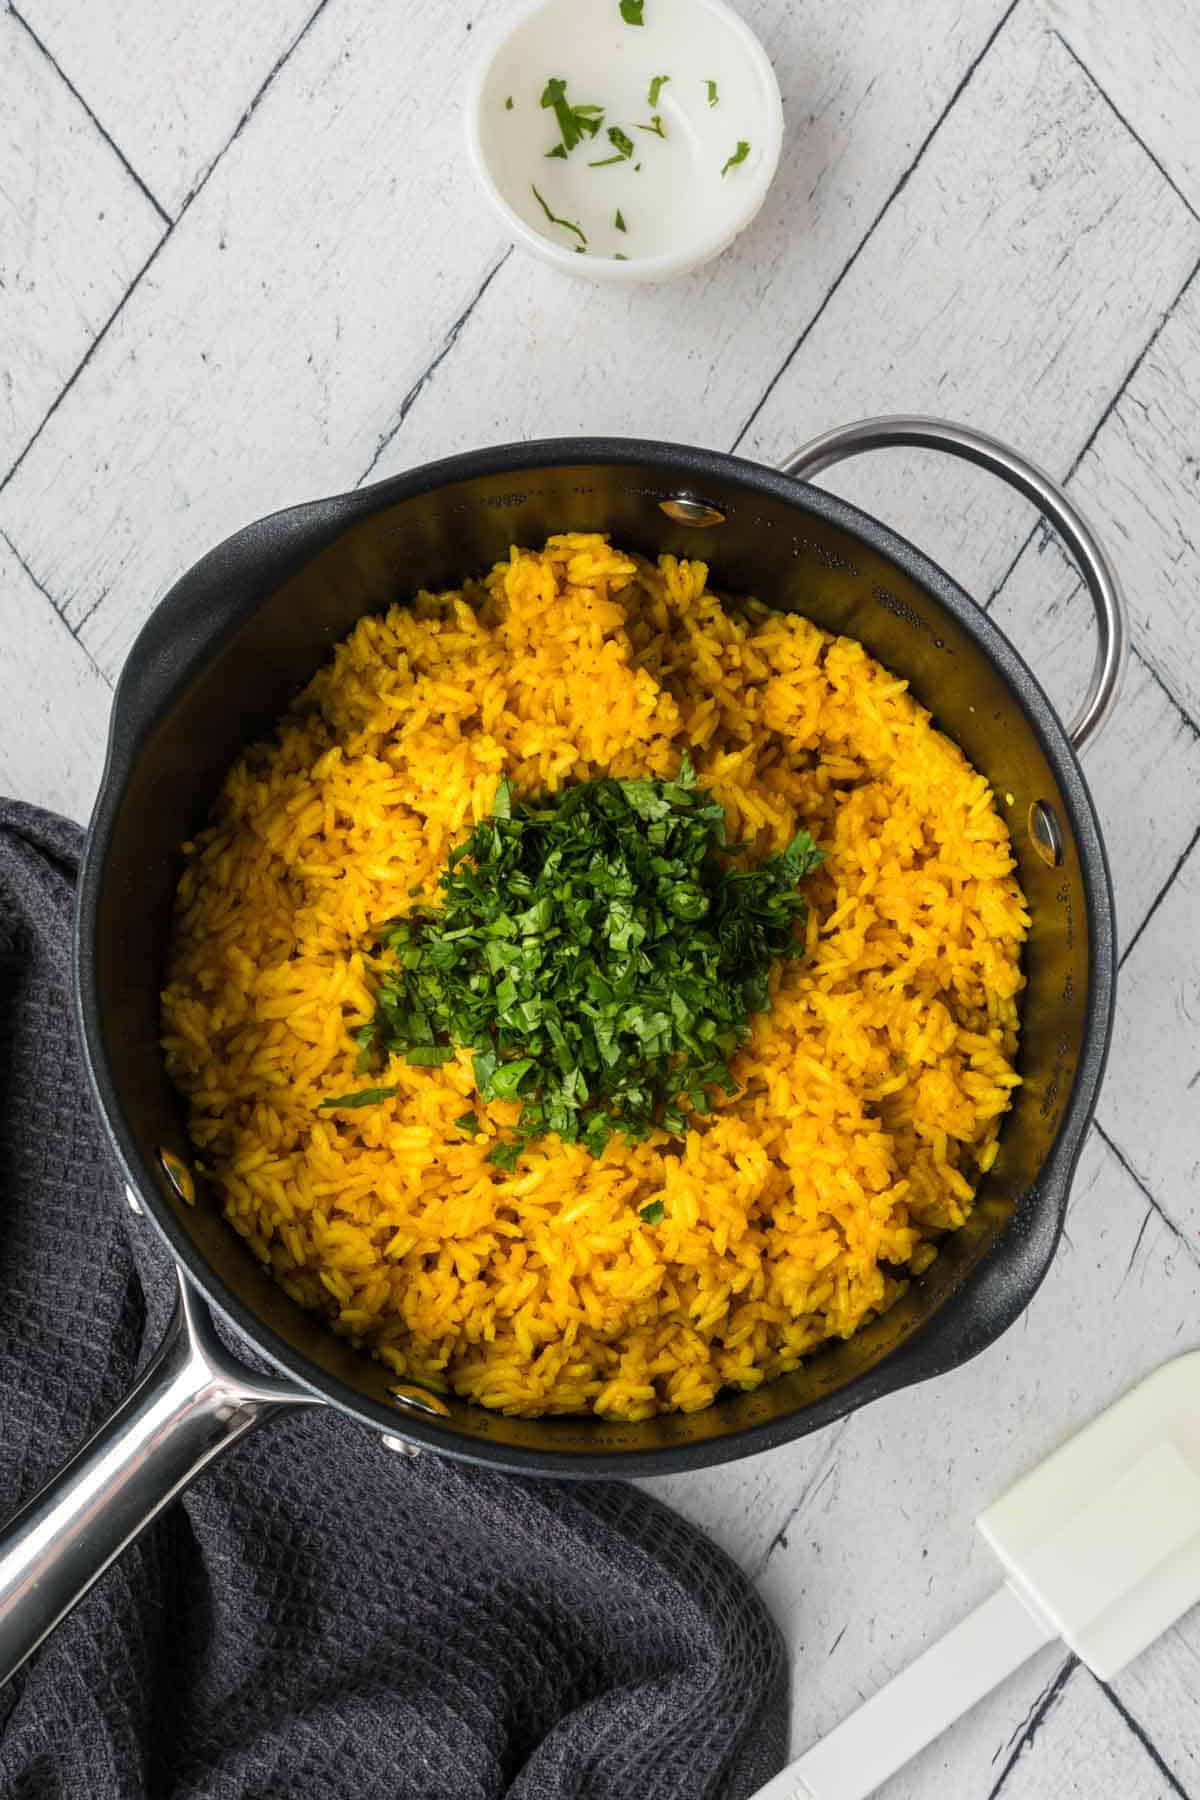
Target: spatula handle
{"points": [[917, 1705]]}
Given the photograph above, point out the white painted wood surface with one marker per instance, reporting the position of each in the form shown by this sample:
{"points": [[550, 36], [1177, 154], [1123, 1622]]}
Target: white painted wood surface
{"points": [[1014, 279], [241, 263], [170, 84], [74, 231]]}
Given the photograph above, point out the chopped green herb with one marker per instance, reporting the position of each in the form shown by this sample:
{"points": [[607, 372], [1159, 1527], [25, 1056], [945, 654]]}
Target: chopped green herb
{"points": [[574, 122], [508, 104], [654, 1214], [713, 96], [656, 87], [468, 1122], [637, 168], [600, 952], [622, 145], [619, 256], [364, 1097], [619, 221], [655, 125], [739, 156], [631, 11], [557, 151], [555, 220]]}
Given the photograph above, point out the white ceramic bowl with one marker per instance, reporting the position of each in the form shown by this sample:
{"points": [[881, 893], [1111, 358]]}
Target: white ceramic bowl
{"points": [[679, 196]]}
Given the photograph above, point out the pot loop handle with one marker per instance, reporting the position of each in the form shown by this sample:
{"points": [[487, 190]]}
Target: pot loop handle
{"points": [[1056, 505]]}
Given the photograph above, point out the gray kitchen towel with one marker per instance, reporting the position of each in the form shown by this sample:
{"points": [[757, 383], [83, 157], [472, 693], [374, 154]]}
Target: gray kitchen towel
{"points": [[319, 1617]]}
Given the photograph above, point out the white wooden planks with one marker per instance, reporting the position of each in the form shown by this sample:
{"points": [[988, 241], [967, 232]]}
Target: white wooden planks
{"points": [[1141, 480], [1148, 748], [1012, 284], [1151, 1100], [1160, 1690], [863, 85], [267, 350], [1081, 1749], [74, 230], [1145, 58], [53, 755], [169, 83]]}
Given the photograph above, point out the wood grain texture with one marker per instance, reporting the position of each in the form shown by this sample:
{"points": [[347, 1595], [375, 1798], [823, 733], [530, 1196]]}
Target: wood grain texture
{"points": [[54, 755], [1148, 748], [1151, 1101], [863, 86], [1146, 59], [169, 83], [1012, 283], [74, 230], [1160, 1693], [267, 350], [1081, 1749], [1141, 480]]}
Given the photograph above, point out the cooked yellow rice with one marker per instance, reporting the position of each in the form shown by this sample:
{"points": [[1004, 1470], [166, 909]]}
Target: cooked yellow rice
{"points": [[871, 1093]]}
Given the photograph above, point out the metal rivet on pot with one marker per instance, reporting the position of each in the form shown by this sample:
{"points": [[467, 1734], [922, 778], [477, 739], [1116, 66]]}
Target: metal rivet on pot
{"points": [[399, 1446], [179, 1176], [685, 509], [1045, 834], [420, 1400], [133, 1203]]}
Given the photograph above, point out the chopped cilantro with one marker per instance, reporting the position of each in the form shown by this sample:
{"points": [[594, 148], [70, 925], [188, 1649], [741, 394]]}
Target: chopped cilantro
{"points": [[508, 104], [656, 87], [555, 220], [619, 256], [654, 1214], [713, 96], [600, 952], [364, 1097], [619, 221], [655, 126], [739, 156], [468, 1122], [631, 11], [622, 144], [574, 122]]}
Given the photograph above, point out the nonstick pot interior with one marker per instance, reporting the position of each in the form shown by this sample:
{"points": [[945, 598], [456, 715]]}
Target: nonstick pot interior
{"points": [[245, 629]]}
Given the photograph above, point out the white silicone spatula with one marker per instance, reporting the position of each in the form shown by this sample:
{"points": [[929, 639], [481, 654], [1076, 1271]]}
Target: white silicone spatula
{"points": [[1101, 1548]]}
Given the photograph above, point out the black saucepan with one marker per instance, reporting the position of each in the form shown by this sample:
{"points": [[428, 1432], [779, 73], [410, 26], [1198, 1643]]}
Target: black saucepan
{"points": [[217, 663]]}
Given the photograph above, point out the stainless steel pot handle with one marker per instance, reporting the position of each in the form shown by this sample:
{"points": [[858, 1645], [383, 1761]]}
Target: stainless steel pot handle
{"points": [[192, 1402], [1055, 503]]}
